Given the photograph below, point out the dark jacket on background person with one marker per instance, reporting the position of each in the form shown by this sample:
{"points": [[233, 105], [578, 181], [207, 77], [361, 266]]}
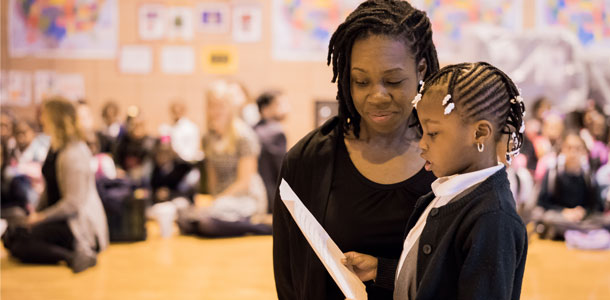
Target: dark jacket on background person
{"points": [[172, 178], [273, 148], [561, 190]]}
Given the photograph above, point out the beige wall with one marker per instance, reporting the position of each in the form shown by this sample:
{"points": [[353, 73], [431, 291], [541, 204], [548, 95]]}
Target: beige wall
{"points": [[303, 82]]}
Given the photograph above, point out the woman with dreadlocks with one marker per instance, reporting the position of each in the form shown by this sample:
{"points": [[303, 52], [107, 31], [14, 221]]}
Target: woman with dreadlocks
{"points": [[465, 239], [360, 173]]}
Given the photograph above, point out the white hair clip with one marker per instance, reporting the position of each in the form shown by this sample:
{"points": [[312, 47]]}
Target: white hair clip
{"points": [[416, 100], [522, 128], [519, 99], [419, 94], [449, 106]]}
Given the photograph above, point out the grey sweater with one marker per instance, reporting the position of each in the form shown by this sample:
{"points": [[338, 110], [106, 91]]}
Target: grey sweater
{"points": [[80, 204]]}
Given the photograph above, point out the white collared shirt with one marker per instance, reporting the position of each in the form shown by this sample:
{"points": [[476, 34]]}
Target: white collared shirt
{"points": [[186, 140], [445, 189]]}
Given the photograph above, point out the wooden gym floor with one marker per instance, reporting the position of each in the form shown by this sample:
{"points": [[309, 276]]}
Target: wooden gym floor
{"points": [[182, 267]]}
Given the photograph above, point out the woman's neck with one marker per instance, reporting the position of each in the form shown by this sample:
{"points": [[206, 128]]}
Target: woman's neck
{"points": [[400, 136]]}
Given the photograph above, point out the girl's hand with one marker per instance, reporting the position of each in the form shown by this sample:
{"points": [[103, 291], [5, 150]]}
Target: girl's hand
{"points": [[364, 266]]}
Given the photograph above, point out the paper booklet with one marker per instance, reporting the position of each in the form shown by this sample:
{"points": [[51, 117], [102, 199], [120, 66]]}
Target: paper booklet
{"points": [[328, 252]]}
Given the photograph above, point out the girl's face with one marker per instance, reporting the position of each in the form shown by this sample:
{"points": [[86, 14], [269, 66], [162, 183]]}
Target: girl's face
{"points": [[552, 127], [448, 143], [384, 81], [574, 150]]}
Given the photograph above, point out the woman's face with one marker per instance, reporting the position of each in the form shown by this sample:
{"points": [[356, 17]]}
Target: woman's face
{"points": [[384, 81], [47, 125], [218, 114]]}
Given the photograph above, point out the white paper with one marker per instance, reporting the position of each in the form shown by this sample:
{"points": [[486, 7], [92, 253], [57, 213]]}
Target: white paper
{"points": [[136, 59], [328, 252], [180, 23], [44, 85], [18, 90], [50, 83], [70, 86], [151, 21], [213, 17], [247, 23], [177, 60]]}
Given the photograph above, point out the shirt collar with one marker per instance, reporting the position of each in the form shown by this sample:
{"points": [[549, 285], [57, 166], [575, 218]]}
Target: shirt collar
{"points": [[455, 184]]}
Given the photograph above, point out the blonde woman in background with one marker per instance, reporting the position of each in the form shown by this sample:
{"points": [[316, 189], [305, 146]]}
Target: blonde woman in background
{"points": [[69, 224], [231, 150]]}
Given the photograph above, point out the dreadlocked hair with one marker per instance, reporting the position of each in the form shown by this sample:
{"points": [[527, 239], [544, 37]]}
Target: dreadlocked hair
{"points": [[392, 18], [482, 91]]}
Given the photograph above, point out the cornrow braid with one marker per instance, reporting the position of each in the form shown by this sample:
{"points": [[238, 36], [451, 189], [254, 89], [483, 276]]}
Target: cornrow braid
{"points": [[482, 91], [377, 17]]}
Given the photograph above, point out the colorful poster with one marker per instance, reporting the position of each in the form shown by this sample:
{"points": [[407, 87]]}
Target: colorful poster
{"points": [[588, 19], [177, 60], [213, 17], [151, 21], [220, 59], [450, 18], [247, 23], [17, 88], [63, 28], [180, 23], [302, 29], [136, 59]]}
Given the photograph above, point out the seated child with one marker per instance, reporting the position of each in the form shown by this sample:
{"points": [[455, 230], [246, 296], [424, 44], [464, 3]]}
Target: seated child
{"points": [[569, 193], [171, 177], [465, 239]]}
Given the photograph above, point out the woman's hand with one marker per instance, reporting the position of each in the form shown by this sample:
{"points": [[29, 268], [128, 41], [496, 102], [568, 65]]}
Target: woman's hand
{"points": [[365, 266]]}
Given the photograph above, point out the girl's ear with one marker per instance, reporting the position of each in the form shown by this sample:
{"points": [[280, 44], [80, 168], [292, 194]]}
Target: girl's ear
{"points": [[422, 66], [483, 132]]}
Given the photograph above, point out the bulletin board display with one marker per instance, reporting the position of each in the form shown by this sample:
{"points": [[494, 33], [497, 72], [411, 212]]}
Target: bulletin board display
{"points": [[451, 18], [587, 19], [63, 28]]}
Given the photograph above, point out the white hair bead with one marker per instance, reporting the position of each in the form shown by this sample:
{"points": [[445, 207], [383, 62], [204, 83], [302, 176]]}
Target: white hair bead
{"points": [[449, 108], [446, 99]]}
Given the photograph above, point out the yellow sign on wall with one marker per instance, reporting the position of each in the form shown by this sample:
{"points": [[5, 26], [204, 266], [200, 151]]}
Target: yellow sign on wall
{"points": [[220, 59]]}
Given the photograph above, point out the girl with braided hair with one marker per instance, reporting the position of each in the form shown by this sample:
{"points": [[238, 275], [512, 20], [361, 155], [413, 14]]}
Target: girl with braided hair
{"points": [[360, 173], [465, 239]]}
